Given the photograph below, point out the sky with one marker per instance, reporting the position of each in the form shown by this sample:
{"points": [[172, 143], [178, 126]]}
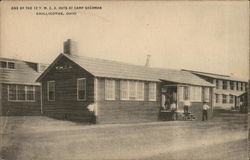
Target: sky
{"points": [[203, 36]]}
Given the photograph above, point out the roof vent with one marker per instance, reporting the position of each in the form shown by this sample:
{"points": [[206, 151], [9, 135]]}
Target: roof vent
{"points": [[148, 61]]}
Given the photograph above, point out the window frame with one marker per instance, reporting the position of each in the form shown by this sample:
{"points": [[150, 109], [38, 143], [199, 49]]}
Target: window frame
{"points": [[224, 84], [231, 99], [231, 85], [7, 65], [105, 89], [135, 90], [217, 84], [11, 100], [143, 88], [127, 87], [34, 93], [217, 98], [77, 88], [155, 91], [18, 89], [25, 93], [224, 102], [193, 93], [54, 91]]}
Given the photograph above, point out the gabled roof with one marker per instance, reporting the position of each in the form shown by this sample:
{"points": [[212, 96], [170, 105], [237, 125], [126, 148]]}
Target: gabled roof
{"points": [[24, 73], [216, 76], [120, 70]]}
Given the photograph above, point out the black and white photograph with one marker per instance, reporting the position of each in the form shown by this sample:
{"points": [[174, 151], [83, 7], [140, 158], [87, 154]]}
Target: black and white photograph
{"points": [[124, 80]]}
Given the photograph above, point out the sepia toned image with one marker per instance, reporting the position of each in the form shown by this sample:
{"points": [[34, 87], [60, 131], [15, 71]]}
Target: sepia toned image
{"points": [[124, 80]]}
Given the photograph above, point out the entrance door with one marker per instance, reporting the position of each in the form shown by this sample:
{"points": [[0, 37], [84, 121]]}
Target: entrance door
{"points": [[170, 94]]}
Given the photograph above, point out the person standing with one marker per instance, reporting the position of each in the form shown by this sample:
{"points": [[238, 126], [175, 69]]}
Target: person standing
{"points": [[205, 108], [173, 111], [163, 101], [186, 106]]}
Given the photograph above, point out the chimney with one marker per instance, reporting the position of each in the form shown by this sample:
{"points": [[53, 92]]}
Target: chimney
{"points": [[38, 67], [69, 47], [148, 61]]}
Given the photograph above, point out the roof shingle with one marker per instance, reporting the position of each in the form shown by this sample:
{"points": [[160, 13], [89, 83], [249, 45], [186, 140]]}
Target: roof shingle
{"points": [[114, 69]]}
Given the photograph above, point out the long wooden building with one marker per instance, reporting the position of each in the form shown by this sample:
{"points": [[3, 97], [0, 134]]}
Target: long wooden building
{"points": [[116, 92], [227, 91]]}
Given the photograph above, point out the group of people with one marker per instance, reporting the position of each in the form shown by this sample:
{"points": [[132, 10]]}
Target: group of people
{"points": [[170, 104]]}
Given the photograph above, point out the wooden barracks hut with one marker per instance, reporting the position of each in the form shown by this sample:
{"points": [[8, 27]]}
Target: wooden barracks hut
{"points": [[116, 92], [19, 93]]}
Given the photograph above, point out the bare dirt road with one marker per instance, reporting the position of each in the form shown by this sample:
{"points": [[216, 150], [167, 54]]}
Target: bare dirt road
{"points": [[42, 138]]}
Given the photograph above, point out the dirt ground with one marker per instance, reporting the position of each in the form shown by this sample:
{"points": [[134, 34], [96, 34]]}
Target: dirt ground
{"points": [[43, 138]]}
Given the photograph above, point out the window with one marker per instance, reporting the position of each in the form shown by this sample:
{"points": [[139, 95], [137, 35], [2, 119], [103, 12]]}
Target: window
{"points": [[3, 64], [180, 93], [224, 98], [195, 93], [217, 84], [30, 90], [186, 93], [152, 92], [231, 85], [21, 92], [51, 90], [81, 89], [237, 86], [11, 65], [109, 89], [124, 90], [206, 94], [140, 91], [132, 90], [231, 100], [241, 87], [12, 92], [216, 98], [224, 85]]}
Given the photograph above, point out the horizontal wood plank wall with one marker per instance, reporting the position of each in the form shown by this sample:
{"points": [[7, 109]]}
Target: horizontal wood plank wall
{"points": [[1, 99], [126, 111], [12, 108], [66, 105]]}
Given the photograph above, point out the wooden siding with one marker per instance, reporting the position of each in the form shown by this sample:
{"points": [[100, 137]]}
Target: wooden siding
{"points": [[126, 111], [22, 108], [1, 99], [66, 105]]}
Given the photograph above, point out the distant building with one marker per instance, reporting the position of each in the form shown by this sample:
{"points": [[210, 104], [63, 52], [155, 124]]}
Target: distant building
{"points": [[227, 89], [20, 94], [74, 86]]}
